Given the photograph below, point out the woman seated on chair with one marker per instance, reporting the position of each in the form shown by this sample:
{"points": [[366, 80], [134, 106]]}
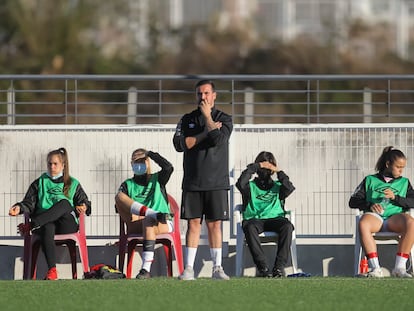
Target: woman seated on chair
{"points": [[263, 200], [54, 202], [384, 198], [142, 203]]}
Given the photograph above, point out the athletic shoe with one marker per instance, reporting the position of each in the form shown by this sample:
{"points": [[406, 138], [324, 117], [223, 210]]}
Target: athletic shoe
{"points": [[264, 273], [277, 273], [188, 274], [375, 273], [219, 274], [400, 273], [143, 274], [51, 274]]}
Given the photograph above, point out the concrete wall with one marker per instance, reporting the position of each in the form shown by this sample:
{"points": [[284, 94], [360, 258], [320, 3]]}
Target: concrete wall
{"points": [[318, 259]]}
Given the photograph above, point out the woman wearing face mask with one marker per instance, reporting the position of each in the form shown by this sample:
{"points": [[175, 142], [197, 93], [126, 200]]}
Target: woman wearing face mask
{"points": [[54, 201], [142, 203], [263, 203]]}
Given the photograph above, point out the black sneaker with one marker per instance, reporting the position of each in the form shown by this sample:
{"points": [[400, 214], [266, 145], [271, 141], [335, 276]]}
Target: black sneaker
{"points": [[277, 273], [143, 274], [263, 273]]}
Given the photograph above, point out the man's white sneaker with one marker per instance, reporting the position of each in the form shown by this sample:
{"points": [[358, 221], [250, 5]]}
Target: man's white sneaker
{"points": [[188, 274], [400, 273], [375, 273], [219, 274]]}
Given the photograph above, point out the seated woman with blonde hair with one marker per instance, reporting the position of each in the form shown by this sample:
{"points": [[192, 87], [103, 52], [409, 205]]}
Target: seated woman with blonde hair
{"points": [[142, 202]]}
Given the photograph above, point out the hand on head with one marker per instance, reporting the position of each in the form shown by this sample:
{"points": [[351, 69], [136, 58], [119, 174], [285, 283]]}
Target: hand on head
{"points": [[269, 166]]}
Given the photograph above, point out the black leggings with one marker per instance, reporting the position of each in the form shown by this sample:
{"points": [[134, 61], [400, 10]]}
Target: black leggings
{"points": [[59, 219]]}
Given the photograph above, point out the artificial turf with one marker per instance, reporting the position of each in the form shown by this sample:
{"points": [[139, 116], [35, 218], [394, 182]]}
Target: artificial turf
{"points": [[314, 293]]}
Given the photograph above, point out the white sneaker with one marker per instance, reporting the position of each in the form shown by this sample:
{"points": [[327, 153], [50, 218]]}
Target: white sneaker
{"points": [[219, 274], [400, 273], [375, 273], [188, 274]]}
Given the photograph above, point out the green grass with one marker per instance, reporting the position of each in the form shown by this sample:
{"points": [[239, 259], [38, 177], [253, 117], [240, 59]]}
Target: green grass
{"points": [[315, 293]]}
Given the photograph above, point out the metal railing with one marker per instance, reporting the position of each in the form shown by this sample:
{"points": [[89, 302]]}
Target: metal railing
{"points": [[162, 99]]}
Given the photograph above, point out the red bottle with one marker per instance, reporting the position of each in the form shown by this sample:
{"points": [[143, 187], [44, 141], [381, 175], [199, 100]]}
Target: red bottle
{"points": [[363, 266]]}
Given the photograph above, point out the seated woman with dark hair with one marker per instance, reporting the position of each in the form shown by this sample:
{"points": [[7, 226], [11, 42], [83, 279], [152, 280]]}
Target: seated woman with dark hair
{"points": [[263, 210]]}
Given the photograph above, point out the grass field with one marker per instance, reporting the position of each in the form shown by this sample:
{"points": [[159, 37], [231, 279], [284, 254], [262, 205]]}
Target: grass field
{"points": [[315, 293]]}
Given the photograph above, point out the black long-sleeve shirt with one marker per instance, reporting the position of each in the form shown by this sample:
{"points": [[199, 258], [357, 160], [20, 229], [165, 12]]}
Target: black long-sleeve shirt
{"points": [[206, 164]]}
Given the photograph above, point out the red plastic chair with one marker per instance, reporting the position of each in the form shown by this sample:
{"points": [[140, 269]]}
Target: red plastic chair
{"points": [[171, 243], [32, 246]]}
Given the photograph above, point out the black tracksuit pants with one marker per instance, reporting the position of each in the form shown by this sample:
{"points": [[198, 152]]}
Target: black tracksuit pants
{"points": [[282, 226]]}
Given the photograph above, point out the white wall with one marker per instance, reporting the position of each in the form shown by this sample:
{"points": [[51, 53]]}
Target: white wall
{"points": [[325, 163]]}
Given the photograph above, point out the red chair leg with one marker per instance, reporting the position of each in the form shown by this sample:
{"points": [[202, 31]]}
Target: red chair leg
{"points": [[178, 252], [33, 264], [72, 253], [27, 256], [131, 252], [121, 254], [84, 256], [168, 256]]}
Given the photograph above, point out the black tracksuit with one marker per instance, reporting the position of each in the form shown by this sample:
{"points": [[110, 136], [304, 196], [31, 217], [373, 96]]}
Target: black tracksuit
{"points": [[206, 164], [253, 227]]}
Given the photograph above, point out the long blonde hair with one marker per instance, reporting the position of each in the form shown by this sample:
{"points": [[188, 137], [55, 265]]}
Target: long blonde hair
{"points": [[63, 156]]}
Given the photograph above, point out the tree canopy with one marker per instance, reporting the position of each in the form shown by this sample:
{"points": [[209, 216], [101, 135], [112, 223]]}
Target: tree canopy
{"points": [[95, 37]]}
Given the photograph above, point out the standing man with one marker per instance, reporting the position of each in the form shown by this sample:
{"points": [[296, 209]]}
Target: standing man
{"points": [[203, 135]]}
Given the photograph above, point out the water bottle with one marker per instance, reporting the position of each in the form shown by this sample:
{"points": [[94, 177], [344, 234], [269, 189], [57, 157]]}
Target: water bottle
{"points": [[363, 266], [384, 203]]}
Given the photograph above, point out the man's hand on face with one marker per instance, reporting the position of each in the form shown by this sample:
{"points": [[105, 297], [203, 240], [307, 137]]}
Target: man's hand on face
{"points": [[205, 107]]}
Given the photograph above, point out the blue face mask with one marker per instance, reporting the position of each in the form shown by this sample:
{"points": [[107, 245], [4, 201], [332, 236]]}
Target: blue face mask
{"points": [[139, 168], [56, 176]]}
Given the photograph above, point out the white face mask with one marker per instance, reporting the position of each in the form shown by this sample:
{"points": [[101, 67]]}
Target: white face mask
{"points": [[139, 168], [56, 176]]}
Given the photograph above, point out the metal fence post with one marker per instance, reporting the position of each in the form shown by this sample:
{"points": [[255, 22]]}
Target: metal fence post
{"points": [[11, 106], [132, 105], [367, 106], [248, 106]]}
